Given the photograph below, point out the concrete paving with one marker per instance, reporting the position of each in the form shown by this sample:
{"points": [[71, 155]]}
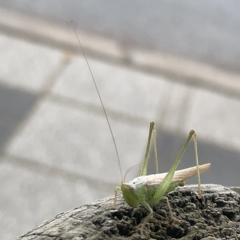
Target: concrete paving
{"points": [[206, 31], [56, 149]]}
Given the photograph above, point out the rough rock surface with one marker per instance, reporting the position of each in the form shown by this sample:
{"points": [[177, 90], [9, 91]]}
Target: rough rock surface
{"points": [[217, 216]]}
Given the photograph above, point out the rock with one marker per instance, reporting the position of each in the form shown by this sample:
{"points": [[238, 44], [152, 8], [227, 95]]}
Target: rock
{"points": [[216, 216]]}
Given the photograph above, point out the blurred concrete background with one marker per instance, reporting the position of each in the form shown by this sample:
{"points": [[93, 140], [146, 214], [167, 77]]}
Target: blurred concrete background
{"points": [[176, 63]]}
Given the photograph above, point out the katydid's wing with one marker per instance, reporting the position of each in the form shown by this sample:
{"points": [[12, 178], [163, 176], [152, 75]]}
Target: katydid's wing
{"points": [[179, 176], [185, 174]]}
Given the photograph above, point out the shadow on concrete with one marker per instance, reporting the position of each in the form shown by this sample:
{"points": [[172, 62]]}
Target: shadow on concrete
{"points": [[15, 105]]}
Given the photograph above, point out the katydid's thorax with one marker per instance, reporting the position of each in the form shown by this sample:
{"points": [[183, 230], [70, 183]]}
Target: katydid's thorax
{"points": [[142, 189]]}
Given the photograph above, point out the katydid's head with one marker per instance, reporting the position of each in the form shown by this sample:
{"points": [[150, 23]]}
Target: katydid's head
{"points": [[128, 195]]}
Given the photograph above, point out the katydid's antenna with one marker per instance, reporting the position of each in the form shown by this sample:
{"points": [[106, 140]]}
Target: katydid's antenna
{"points": [[104, 110]]}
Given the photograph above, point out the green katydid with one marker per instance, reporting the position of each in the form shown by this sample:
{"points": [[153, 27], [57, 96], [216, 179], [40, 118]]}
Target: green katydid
{"points": [[148, 190]]}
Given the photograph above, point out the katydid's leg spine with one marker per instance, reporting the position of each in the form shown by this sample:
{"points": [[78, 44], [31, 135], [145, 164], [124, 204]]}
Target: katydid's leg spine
{"points": [[197, 164], [143, 171], [155, 149]]}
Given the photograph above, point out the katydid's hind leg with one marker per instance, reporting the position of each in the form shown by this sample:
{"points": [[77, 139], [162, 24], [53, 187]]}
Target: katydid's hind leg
{"points": [[155, 149], [197, 164], [162, 188], [143, 171]]}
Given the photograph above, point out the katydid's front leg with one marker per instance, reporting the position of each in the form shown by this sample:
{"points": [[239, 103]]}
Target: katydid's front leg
{"points": [[115, 196], [143, 171]]}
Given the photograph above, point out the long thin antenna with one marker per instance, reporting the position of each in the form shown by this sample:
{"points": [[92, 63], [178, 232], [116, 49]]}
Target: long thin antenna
{"points": [[104, 110]]}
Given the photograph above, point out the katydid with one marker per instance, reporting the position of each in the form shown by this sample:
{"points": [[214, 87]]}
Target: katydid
{"points": [[148, 190]]}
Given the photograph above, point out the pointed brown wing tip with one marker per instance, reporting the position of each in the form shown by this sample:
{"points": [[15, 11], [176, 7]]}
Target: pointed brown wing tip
{"points": [[208, 165], [205, 167]]}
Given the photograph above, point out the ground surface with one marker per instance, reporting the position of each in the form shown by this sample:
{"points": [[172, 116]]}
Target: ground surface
{"points": [[216, 217]]}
